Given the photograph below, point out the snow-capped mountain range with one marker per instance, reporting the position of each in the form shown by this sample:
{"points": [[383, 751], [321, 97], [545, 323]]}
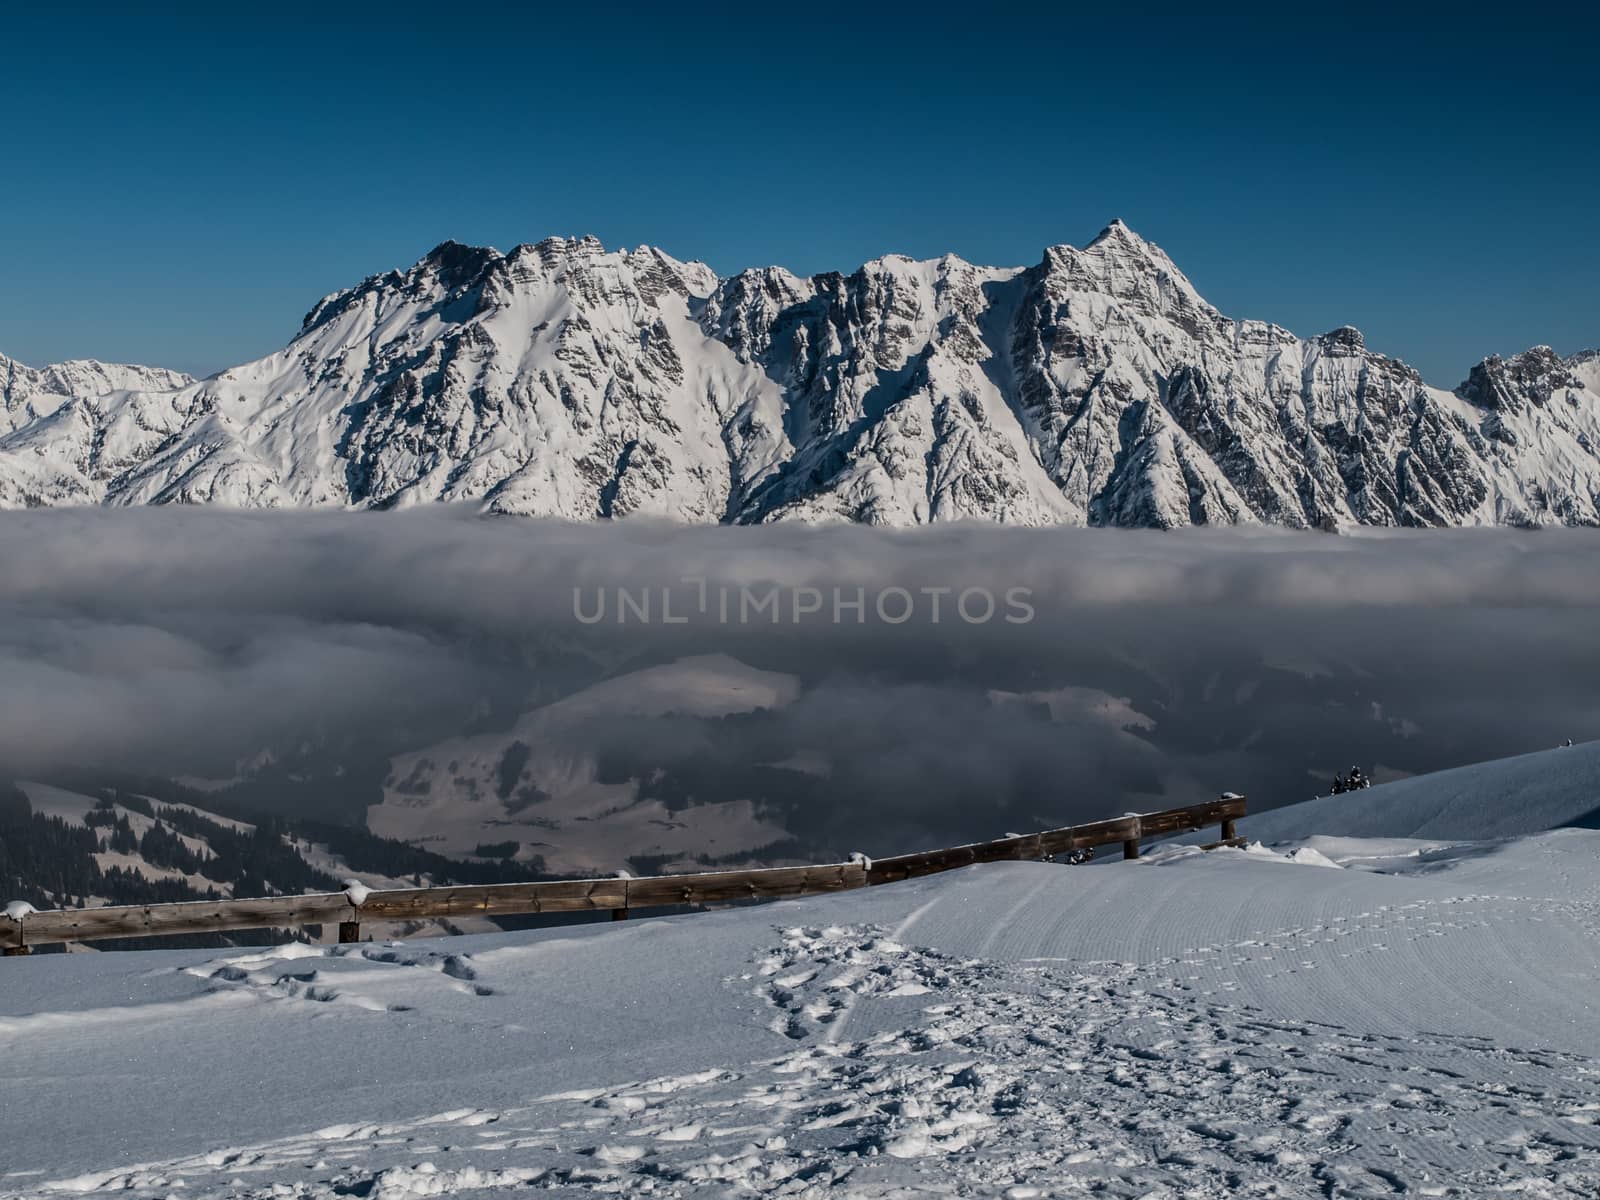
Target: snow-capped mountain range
{"points": [[1095, 387]]}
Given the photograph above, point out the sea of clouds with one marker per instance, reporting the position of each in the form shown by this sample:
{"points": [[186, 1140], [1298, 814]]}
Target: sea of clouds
{"points": [[1110, 669]]}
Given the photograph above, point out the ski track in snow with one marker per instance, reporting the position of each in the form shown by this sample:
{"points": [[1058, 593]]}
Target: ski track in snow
{"points": [[1020, 1079]]}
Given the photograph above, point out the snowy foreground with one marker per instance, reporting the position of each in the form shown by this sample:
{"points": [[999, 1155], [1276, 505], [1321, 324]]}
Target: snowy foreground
{"points": [[1421, 1020]]}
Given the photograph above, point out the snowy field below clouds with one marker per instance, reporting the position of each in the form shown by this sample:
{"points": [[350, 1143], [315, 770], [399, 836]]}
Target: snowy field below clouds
{"points": [[1238, 1023], [1226, 1025]]}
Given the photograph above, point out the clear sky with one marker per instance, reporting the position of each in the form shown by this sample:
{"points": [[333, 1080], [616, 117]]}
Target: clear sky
{"points": [[181, 186]]}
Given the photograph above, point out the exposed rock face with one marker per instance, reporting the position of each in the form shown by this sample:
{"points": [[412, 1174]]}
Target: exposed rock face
{"points": [[562, 379]]}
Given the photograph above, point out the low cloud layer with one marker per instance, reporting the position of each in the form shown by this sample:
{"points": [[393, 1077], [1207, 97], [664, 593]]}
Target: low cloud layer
{"points": [[1154, 668]]}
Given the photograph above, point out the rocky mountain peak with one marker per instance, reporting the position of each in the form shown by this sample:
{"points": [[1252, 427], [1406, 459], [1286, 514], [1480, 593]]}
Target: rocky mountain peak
{"points": [[1118, 232], [1121, 265], [1511, 384], [455, 264], [569, 380], [1345, 340]]}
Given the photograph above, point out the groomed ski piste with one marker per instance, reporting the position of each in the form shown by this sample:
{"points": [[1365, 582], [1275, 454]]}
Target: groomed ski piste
{"points": [[1395, 995]]}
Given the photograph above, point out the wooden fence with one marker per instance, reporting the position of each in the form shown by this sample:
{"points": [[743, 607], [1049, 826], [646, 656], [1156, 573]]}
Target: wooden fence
{"points": [[349, 908]]}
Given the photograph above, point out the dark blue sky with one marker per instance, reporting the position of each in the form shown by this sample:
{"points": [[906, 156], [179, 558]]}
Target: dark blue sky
{"points": [[180, 188]]}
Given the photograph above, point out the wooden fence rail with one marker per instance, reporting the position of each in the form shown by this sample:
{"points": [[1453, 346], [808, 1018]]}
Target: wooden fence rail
{"points": [[349, 908]]}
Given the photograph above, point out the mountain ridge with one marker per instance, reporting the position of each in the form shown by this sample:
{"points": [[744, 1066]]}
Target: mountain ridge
{"points": [[562, 379]]}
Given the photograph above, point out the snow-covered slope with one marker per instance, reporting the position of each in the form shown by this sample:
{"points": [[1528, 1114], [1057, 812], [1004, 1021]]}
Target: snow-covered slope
{"points": [[1219, 1026], [1096, 386], [27, 395], [1198, 1025], [65, 427], [1502, 798]]}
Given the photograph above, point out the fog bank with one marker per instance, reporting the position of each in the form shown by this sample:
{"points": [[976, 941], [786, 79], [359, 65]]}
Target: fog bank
{"points": [[1112, 669]]}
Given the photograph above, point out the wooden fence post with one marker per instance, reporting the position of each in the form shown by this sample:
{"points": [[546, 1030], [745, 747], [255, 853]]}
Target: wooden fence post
{"points": [[356, 892], [621, 914], [17, 912], [1130, 848], [1229, 829]]}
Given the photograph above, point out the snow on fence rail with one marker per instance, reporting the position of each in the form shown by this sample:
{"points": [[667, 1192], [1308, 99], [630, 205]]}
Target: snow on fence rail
{"points": [[21, 928]]}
